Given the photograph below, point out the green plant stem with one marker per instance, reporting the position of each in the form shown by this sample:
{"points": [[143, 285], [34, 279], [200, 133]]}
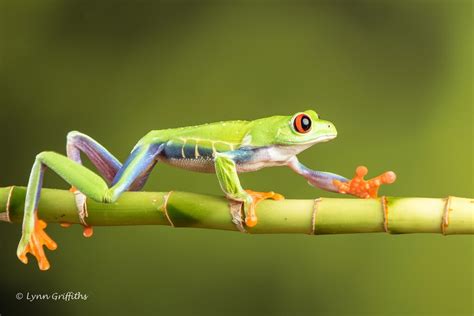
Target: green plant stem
{"points": [[319, 216]]}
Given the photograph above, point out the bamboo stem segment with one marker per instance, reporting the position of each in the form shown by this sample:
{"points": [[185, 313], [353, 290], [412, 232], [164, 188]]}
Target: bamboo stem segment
{"points": [[396, 215]]}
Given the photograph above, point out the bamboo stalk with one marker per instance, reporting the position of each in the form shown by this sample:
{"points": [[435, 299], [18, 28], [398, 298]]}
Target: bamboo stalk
{"points": [[450, 215]]}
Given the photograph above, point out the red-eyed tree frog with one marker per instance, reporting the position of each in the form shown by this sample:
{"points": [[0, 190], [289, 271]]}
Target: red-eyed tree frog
{"points": [[223, 148]]}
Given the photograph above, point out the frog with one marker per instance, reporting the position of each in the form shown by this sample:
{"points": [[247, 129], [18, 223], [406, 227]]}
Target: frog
{"points": [[225, 148]]}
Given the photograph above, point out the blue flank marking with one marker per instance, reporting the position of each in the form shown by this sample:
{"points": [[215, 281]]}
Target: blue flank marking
{"points": [[189, 151], [242, 155], [205, 152], [173, 151]]}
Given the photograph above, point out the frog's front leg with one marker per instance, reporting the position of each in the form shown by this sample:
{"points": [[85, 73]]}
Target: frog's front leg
{"points": [[226, 172], [357, 186]]}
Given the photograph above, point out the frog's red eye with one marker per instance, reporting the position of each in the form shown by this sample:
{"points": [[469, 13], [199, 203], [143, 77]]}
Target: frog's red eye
{"points": [[302, 123]]}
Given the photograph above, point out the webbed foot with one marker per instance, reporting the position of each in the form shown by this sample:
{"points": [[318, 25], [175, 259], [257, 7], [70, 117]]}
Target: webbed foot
{"points": [[362, 188], [34, 245], [250, 215]]}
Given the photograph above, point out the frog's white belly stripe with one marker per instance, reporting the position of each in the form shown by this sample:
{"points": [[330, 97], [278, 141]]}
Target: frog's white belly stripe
{"points": [[192, 164], [207, 165]]}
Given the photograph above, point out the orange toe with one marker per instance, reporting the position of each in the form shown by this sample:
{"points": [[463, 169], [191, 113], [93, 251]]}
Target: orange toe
{"points": [[88, 231], [361, 172], [388, 177], [260, 196], [251, 216]]}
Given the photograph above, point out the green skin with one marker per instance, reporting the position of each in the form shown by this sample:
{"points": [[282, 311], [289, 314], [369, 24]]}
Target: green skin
{"points": [[224, 148]]}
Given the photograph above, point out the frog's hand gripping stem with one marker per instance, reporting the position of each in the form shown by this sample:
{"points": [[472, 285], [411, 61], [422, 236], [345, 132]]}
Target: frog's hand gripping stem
{"points": [[360, 187], [226, 172]]}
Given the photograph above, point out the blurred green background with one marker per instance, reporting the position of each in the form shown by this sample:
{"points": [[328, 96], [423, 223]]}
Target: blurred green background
{"points": [[394, 76]]}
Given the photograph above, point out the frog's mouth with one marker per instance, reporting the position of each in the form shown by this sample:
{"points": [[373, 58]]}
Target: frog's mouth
{"points": [[322, 139]]}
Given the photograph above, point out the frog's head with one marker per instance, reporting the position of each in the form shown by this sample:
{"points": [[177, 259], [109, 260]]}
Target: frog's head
{"points": [[302, 130]]}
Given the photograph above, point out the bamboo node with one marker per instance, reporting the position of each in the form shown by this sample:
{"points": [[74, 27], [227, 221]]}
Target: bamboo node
{"points": [[165, 207], [445, 219], [313, 216], [383, 199], [6, 215], [235, 208]]}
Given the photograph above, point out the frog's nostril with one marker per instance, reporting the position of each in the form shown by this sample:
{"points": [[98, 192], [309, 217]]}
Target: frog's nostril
{"points": [[329, 125]]}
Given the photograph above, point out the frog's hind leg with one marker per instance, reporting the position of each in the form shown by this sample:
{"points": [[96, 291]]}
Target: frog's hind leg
{"points": [[106, 163], [101, 158], [33, 235], [138, 165]]}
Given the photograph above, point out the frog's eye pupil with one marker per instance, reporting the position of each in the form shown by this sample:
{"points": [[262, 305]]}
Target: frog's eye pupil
{"points": [[302, 123]]}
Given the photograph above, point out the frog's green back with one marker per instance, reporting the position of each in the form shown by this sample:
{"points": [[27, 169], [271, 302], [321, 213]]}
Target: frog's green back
{"points": [[221, 136], [230, 131]]}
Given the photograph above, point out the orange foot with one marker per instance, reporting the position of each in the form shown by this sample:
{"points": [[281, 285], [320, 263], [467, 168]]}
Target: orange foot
{"points": [[251, 216], [35, 245], [82, 212], [360, 187]]}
